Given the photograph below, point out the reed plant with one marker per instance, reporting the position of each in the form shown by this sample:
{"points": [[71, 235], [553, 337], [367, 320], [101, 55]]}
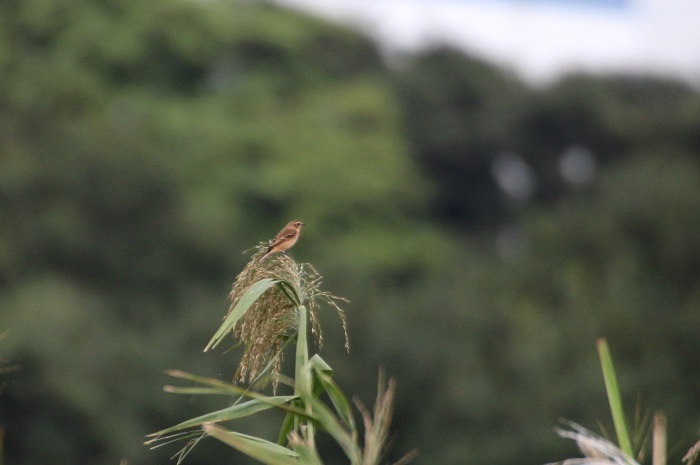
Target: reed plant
{"points": [[275, 305]]}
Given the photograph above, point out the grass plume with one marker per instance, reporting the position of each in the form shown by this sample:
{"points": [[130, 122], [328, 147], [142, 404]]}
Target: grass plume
{"points": [[273, 318], [377, 425]]}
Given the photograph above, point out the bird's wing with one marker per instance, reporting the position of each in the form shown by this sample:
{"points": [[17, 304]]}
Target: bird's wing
{"points": [[284, 236]]}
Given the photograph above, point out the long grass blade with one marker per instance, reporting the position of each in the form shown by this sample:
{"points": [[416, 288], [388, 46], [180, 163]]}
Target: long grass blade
{"points": [[302, 373], [319, 365], [330, 423], [229, 389], [259, 449], [223, 387], [342, 406], [231, 413], [290, 419], [287, 425], [246, 300], [614, 398], [302, 382], [165, 440], [198, 391], [185, 451]]}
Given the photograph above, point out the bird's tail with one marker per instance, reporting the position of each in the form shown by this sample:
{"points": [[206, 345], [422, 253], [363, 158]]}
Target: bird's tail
{"points": [[267, 252]]}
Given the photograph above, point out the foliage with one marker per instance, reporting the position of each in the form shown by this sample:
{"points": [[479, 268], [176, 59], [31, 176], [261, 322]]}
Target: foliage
{"points": [[143, 146], [613, 391], [264, 306], [282, 292], [598, 450]]}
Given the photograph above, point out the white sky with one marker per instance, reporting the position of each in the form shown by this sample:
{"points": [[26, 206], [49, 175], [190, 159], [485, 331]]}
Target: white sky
{"points": [[537, 40]]}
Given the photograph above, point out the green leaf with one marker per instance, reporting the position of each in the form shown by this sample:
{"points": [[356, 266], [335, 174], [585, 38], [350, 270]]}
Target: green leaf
{"points": [[246, 300], [302, 371], [316, 363], [288, 290], [322, 374], [287, 425], [347, 440], [227, 388], [302, 381], [614, 398], [196, 391], [233, 412], [257, 448], [216, 386], [181, 436], [319, 364]]}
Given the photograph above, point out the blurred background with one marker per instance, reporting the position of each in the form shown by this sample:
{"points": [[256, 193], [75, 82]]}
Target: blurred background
{"points": [[487, 218]]}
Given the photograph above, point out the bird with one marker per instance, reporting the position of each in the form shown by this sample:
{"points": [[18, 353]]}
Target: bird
{"points": [[285, 238]]}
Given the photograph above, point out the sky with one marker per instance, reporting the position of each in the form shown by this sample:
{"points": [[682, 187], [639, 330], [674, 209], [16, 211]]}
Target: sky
{"points": [[539, 40]]}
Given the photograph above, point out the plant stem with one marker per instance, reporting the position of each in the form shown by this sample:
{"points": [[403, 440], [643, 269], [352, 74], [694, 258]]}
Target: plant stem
{"points": [[614, 397]]}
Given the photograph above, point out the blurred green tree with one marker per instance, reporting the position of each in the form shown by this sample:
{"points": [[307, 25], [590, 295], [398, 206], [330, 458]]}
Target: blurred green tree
{"points": [[144, 146]]}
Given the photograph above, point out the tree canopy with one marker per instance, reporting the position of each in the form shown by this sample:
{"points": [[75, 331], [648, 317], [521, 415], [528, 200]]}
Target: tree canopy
{"points": [[486, 233]]}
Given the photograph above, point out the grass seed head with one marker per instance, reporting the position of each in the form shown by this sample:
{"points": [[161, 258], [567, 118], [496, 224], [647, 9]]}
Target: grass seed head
{"points": [[271, 319]]}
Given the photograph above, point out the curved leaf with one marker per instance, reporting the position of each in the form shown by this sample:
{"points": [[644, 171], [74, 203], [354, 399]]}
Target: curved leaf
{"points": [[236, 411], [259, 449], [322, 375], [246, 300]]}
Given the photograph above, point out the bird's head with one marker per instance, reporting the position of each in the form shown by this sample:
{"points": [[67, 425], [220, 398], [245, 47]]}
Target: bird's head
{"points": [[295, 224]]}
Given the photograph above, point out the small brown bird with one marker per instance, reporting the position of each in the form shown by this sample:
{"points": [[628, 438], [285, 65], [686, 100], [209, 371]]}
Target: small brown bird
{"points": [[285, 238]]}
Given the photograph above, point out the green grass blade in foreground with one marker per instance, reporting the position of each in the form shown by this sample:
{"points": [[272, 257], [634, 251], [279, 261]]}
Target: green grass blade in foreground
{"points": [[196, 391], [288, 425], [222, 387], [246, 300], [290, 419], [259, 449], [302, 372], [320, 365], [614, 399], [322, 374], [302, 381], [166, 440], [215, 384], [322, 382], [347, 440], [302, 377], [231, 413]]}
